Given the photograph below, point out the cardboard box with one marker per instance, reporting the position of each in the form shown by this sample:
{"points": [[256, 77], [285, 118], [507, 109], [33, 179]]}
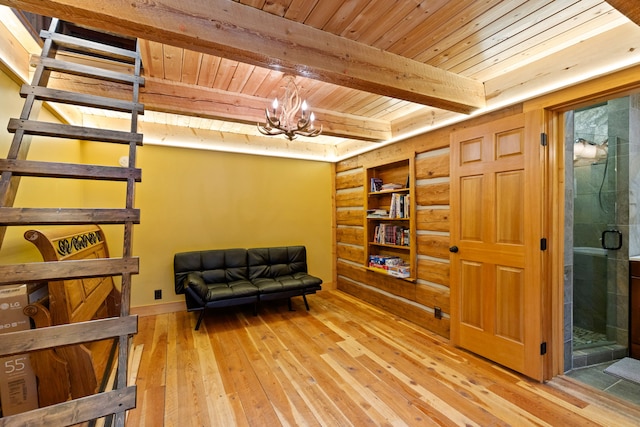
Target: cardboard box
{"points": [[18, 389]]}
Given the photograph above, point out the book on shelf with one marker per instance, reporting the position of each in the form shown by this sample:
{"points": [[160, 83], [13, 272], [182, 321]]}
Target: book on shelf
{"points": [[376, 185], [377, 213], [391, 186], [389, 234], [392, 265], [400, 206]]}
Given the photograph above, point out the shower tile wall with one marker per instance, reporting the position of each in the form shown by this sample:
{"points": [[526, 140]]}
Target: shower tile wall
{"points": [[592, 206]]}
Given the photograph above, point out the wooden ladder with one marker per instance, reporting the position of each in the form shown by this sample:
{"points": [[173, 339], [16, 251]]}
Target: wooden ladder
{"points": [[16, 165]]}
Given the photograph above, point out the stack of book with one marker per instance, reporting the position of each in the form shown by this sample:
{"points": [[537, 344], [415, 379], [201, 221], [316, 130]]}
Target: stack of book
{"points": [[377, 213], [389, 234], [394, 266], [400, 206], [391, 186]]}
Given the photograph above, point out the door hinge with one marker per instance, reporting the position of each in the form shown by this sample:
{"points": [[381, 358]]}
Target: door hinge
{"points": [[543, 348], [543, 244], [543, 139]]}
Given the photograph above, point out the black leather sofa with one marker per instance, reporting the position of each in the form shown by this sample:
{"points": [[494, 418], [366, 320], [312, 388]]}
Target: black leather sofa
{"points": [[226, 277]]}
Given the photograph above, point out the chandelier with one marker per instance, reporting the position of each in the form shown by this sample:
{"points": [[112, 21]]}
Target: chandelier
{"points": [[281, 120]]}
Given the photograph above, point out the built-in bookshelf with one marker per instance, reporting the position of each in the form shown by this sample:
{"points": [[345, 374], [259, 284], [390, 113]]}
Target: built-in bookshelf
{"points": [[389, 221]]}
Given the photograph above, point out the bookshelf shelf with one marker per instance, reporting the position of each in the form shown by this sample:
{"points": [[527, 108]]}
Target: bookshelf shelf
{"points": [[389, 224], [386, 245]]}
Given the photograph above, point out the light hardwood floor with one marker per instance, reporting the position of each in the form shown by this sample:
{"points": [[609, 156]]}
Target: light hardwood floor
{"points": [[342, 363]]}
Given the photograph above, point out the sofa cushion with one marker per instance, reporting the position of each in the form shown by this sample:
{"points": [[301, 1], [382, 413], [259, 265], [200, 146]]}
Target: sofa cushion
{"points": [[297, 281], [215, 266], [215, 291], [276, 262]]}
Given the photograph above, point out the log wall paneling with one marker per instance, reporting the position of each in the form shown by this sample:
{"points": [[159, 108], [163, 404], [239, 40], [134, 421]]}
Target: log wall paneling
{"points": [[413, 301]]}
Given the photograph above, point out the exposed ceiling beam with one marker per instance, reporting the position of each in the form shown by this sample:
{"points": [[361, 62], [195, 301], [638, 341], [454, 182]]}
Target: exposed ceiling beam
{"points": [[246, 34], [630, 8], [177, 98]]}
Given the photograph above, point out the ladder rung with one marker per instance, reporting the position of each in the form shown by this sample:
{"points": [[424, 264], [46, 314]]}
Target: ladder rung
{"points": [[54, 216], [71, 333], [66, 270], [88, 71], [85, 100], [77, 410], [69, 170], [92, 47], [57, 130]]}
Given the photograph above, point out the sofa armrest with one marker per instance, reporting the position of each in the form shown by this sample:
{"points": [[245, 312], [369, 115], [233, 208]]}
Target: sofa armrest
{"points": [[196, 283]]}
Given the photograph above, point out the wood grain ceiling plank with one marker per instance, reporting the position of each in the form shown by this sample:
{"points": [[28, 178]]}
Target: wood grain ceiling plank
{"points": [[258, 77], [191, 62], [238, 32], [336, 98], [345, 14], [270, 85], [152, 58], [225, 74], [398, 110], [319, 92], [208, 70], [240, 77], [322, 13], [372, 106], [172, 58], [418, 25], [299, 10], [520, 50], [355, 100], [369, 22], [448, 27], [519, 25]]}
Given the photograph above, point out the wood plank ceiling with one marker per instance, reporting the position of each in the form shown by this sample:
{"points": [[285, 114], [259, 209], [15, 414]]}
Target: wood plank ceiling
{"points": [[371, 70]]}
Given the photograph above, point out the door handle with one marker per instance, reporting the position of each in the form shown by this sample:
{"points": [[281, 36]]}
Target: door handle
{"points": [[453, 249]]}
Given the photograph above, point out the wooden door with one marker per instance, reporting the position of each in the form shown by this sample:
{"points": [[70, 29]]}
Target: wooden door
{"points": [[496, 231]]}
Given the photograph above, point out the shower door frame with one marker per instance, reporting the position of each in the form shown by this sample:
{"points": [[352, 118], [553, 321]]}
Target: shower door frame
{"points": [[619, 84]]}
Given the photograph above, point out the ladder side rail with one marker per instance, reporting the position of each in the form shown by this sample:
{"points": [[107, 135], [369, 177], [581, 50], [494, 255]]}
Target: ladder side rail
{"points": [[125, 295]]}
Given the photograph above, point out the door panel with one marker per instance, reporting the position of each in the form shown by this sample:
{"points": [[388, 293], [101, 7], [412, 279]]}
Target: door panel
{"points": [[496, 223]]}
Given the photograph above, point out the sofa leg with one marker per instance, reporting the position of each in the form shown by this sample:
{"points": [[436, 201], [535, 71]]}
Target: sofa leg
{"points": [[306, 304], [255, 308], [289, 304], [200, 319]]}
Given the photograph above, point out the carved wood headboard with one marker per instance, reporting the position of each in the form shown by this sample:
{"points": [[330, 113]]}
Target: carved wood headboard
{"points": [[79, 299]]}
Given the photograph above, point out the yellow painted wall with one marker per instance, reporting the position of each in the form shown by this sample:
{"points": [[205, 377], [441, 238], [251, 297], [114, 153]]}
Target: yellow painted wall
{"points": [[35, 192], [194, 200]]}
